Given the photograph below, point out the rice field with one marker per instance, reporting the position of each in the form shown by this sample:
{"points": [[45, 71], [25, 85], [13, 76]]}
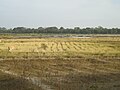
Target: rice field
{"points": [[62, 63], [59, 47]]}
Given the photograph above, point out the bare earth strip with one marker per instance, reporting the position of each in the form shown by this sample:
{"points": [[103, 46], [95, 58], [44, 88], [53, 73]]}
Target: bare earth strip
{"points": [[34, 80]]}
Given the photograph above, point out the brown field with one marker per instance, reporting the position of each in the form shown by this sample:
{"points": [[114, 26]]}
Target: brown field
{"points": [[60, 64]]}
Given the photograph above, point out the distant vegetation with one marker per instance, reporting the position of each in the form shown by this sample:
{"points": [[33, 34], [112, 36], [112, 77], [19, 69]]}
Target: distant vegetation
{"points": [[62, 30]]}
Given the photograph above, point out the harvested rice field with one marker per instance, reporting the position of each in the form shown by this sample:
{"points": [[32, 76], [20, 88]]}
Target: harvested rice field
{"points": [[60, 63]]}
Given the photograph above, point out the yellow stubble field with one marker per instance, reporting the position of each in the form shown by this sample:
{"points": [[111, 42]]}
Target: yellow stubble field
{"points": [[63, 63]]}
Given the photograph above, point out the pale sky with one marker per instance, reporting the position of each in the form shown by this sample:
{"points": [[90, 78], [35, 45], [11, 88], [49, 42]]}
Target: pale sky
{"points": [[66, 13]]}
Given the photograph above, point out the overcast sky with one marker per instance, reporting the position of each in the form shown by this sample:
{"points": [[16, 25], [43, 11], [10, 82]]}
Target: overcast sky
{"points": [[66, 13]]}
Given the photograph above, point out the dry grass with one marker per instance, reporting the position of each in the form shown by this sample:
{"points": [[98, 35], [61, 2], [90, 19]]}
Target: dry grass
{"points": [[59, 47], [9, 82], [65, 63]]}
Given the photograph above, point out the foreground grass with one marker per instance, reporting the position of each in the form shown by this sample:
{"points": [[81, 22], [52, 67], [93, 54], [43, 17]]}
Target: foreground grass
{"points": [[9, 82], [70, 74]]}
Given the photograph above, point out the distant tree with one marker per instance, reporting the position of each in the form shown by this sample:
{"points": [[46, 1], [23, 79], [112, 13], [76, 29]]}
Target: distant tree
{"points": [[19, 30], [51, 29], [61, 30], [54, 30], [40, 30], [3, 30]]}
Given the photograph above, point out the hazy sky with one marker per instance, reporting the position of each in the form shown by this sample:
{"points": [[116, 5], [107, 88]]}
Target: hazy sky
{"points": [[67, 13]]}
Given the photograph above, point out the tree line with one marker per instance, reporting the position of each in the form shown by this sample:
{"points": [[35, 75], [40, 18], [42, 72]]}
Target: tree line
{"points": [[62, 30]]}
